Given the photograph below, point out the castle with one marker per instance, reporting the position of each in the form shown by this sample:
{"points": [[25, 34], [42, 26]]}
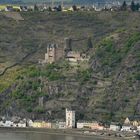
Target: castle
{"points": [[54, 53]]}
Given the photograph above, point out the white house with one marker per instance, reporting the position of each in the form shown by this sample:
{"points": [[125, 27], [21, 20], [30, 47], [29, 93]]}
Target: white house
{"points": [[138, 128], [1, 123], [126, 128], [8, 124], [62, 125], [22, 124], [114, 127], [134, 121], [127, 121], [70, 118], [30, 123], [91, 125], [80, 125]]}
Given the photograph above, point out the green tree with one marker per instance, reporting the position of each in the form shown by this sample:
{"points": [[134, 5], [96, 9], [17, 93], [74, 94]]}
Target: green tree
{"points": [[133, 6], [137, 6], [59, 8], [89, 43], [49, 9], [36, 8], [74, 8], [124, 6]]}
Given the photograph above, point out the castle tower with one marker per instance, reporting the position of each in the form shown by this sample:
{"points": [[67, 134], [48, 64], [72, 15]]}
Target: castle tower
{"points": [[50, 56], [70, 118], [67, 45]]}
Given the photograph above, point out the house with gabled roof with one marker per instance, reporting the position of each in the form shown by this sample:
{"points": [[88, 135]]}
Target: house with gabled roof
{"points": [[132, 120]]}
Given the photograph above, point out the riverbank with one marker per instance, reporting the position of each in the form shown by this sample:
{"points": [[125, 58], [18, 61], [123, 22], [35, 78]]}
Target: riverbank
{"points": [[70, 132]]}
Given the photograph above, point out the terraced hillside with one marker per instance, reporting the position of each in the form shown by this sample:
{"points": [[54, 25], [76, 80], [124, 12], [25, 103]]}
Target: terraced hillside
{"points": [[105, 88]]}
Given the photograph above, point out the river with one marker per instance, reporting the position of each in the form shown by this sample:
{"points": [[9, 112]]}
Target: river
{"points": [[40, 136]]}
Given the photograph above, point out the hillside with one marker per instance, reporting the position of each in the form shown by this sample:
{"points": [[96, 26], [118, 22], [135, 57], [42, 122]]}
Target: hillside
{"points": [[106, 89]]}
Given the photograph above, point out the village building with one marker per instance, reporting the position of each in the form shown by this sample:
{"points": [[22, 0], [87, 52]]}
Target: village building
{"points": [[80, 125], [41, 124], [59, 124], [96, 126], [24, 8], [90, 125], [84, 124], [1, 123], [10, 8], [31, 8], [134, 121], [62, 125], [29, 123], [127, 121], [2, 7], [22, 124], [138, 128], [17, 8], [126, 128], [13, 122], [114, 127], [8, 123], [70, 118], [55, 125], [71, 9]]}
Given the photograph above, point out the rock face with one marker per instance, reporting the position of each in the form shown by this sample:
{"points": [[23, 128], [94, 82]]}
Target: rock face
{"points": [[106, 88]]}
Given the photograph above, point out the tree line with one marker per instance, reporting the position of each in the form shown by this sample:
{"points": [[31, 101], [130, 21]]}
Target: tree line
{"points": [[133, 6]]}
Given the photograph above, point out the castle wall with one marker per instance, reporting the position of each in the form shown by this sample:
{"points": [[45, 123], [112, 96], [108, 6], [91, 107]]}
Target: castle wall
{"points": [[59, 53]]}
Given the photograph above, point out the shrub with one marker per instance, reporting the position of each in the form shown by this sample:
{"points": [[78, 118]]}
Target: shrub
{"points": [[39, 110], [84, 75], [131, 41], [137, 76], [29, 109]]}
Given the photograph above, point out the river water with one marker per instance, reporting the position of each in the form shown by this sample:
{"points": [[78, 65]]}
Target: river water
{"points": [[40, 136]]}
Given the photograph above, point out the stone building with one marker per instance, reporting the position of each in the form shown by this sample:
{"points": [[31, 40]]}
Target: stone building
{"points": [[76, 57], [134, 121], [114, 127], [53, 54], [40, 124], [73, 56], [67, 45], [84, 124], [50, 56], [70, 118], [90, 125], [62, 125]]}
